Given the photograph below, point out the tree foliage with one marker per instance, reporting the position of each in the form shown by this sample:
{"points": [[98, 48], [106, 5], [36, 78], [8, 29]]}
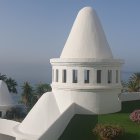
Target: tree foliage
{"points": [[3, 77], [134, 83], [31, 96], [17, 113], [27, 94], [42, 88]]}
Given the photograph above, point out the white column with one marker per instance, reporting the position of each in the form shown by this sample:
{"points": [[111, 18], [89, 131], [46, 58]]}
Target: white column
{"points": [[94, 76], [113, 76], [91, 76], [69, 75], [60, 74], [80, 75], [54, 74], [104, 76]]}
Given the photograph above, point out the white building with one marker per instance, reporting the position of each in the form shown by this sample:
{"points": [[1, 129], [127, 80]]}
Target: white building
{"points": [[86, 68], [6, 101], [85, 80]]}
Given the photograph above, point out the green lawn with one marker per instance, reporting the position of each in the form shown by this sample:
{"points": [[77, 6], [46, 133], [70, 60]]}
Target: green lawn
{"points": [[80, 127], [132, 130]]}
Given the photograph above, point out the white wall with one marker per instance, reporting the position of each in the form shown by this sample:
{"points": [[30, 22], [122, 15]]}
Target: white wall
{"points": [[57, 128], [6, 129], [129, 96], [42, 115], [6, 126]]}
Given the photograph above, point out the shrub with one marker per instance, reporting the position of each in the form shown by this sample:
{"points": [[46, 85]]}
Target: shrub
{"points": [[135, 116], [17, 112], [108, 132]]}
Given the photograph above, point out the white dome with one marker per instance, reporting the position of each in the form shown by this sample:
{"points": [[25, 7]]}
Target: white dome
{"points": [[87, 38], [5, 97]]}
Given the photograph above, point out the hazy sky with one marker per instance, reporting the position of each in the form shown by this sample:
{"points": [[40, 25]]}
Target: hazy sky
{"points": [[33, 31]]}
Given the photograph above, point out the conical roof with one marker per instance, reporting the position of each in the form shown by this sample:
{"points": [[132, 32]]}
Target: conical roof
{"points": [[87, 38], [5, 97]]}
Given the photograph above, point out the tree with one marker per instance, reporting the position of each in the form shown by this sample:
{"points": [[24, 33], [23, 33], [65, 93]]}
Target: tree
{"points": [[27, 94], [42, 88], [132, 86], [11, 83], [134, 83], [3, 77], [136, 78], [17, 113]]}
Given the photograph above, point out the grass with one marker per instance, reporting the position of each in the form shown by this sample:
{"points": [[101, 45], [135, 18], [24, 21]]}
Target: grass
{"points": [[80, 127], [132, 130]]}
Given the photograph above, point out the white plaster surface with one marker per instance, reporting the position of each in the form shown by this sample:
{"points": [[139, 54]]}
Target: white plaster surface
{"points": [[6, 101], [42, 114], [87, 38], [6, 129], [51, 114], [48, 118], [129, 96], [61, 107], [5, 97]]}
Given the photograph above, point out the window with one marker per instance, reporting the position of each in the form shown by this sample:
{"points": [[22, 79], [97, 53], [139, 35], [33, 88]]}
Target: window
{"points": [[52, 74], [109, 76], [64, 76], [75, 74], [98, 76], [0, 114], [57, 77], [117, 76], [86, 76]]}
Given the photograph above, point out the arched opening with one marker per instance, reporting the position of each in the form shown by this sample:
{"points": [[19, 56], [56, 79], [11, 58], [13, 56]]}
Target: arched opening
{"points": [[75, 76], [57, 75], [99, 76], [64, 76], [117, 76], [86, 76], [109, 76]]}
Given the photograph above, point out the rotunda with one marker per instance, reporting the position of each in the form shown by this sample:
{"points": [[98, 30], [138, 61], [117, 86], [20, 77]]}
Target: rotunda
{"points": [[86, 67]]}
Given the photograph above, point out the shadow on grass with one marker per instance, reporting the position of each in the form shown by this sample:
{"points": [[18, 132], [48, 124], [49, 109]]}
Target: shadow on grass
{"points": [[129, 136], [80, 126], [130, 106], [80, 131]]}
